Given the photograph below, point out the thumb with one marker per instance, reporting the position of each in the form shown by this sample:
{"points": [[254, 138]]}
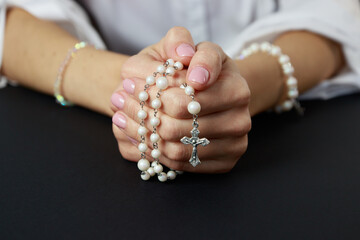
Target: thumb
{"points": [[205, 66], [178, 45]]}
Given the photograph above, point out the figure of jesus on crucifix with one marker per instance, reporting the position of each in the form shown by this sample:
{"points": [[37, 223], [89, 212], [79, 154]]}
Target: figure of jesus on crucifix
{"points": [[195, 141]]}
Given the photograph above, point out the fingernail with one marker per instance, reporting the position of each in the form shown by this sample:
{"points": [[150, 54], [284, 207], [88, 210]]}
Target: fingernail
{"points": [[119, 120], [185, 50], [118, 100], [199, 75], [133, 141], [129, 86]]}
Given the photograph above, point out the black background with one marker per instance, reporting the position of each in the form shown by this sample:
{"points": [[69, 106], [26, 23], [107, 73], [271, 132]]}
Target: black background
{"points": [[62, 177]]}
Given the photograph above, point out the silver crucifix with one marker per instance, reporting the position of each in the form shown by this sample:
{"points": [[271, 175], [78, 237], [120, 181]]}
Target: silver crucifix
{"points": [[195, 141]]}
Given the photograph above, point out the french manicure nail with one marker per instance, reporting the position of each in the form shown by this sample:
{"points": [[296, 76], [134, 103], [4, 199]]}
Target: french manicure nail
{"points": [[133, 141], [185, 50], [118, 100], [119, 120], [199, 75], [129, 86]]}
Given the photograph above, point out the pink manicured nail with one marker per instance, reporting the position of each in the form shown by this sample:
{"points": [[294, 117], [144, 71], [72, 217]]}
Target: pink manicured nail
{"points": [[185, 50], [129, 86], [199, 75], [133, 141], [118, 100], [119, 120]]}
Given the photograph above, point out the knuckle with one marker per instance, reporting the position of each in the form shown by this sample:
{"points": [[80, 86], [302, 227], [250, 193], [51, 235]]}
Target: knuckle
{"points": [[176, 165], [241, 147], [242, 125], [125, 152], [247, 125], [169, 130], [177, 152], [127, 66], [174, 31], [242, 93], [210, 47], [181, 103], [177, 106], [214, 55], [131, 109]]}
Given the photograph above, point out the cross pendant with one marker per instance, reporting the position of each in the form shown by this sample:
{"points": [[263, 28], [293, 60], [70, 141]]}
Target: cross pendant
{"points": [[195, 141]]}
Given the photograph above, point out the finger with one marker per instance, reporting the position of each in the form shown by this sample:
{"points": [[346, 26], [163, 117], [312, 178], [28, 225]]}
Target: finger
{"points": [[178, 151], [142, 67], [176, 155], [205, 65], [129, 135], [128, 149], [217, 149], [233, 122], [213, 165], [175, 101], [178, 45]]}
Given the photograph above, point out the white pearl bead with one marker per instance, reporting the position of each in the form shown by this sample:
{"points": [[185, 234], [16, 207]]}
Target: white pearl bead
{"points": [[142, 131], [145, 176], [154, 137], [162, 177], [255, 47], [155, 153], [194, 107], [284, 59], [151, 171], [155, 121], [275, 51], [156, 103], [162, 83], [287, 105], [161, 68], [142, 147], [142, 114], [158, 168], [265, 46], [293, 93], [179, 66], [171, 62], [246, 52], [143, 96], [291, 82], [288, 69], [171, 175], [143, 164], [150, 80], [189, 90], [154, 163], [170, 71]]}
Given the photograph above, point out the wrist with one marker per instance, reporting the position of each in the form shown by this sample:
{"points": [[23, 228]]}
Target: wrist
{"points": [[91, 78], [265, 79]]}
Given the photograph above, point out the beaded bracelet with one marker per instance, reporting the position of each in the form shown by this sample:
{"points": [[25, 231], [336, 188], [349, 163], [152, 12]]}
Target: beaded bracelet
{"points": [[57, 86], [167, 69], [288, 70]]}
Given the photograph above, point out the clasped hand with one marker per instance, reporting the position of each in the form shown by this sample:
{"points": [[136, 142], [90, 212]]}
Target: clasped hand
{"points": [[220, 89]]}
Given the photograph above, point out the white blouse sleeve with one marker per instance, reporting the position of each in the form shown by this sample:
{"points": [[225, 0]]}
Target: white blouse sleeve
{"points": [[65, 13], [336, 19]]}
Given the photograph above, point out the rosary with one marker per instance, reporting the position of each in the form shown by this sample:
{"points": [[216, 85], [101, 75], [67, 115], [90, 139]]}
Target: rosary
{"points": [[159, 78]]}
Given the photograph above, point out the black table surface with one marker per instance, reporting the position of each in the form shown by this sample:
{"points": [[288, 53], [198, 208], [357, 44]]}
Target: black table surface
{"points": [[62, 177]]}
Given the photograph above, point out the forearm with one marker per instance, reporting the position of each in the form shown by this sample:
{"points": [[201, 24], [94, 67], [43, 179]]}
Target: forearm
{"points": [[314, 58], [34, 50]]}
